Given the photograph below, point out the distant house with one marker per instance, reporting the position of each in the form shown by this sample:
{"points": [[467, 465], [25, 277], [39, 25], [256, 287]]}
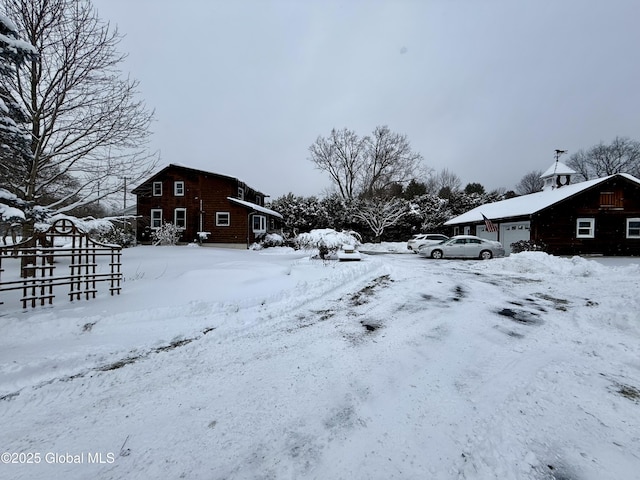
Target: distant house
{"points": [[600, 216], [216, 209]]}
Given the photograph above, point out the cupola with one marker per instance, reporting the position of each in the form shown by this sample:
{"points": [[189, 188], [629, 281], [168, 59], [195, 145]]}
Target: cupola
{"points": [[557, 175]]}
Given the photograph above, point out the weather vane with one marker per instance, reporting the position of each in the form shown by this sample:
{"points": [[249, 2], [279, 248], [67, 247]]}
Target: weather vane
{"points": [[558, 153]]}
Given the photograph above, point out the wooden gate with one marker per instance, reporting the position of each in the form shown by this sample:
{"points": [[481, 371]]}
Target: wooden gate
{"points": [[37, 266]]}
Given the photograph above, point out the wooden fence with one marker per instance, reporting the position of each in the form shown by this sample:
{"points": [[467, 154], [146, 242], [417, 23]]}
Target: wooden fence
{"points": [[40, 263]]}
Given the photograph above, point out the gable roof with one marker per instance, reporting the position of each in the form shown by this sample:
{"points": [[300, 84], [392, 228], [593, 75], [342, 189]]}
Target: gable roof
{"points": [[257, 208], [530, 204], [174, 166]]}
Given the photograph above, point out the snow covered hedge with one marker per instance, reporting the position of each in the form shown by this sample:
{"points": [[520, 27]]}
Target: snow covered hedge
{"points": [[269, 240], [327, 238]]}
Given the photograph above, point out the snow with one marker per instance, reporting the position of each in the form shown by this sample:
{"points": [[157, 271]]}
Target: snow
{"points": [[8, 213], [558, 168], [328, 237], [244, 364], [255, 207], [13, 44]]}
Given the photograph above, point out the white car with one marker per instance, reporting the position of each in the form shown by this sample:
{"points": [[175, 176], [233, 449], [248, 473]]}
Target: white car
{"points": [[464, 246], [421, 239], [348, 253]]}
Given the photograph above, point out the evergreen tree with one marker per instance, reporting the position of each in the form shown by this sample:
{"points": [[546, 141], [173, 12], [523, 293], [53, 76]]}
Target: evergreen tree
{"points": [[14, 135]]}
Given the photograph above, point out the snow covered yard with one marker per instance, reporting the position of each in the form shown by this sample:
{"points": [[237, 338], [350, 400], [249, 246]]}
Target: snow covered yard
{"points": [[222, 364]]}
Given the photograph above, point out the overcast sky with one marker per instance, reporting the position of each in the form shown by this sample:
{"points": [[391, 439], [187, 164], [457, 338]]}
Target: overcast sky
{"points": [[485, 88]]}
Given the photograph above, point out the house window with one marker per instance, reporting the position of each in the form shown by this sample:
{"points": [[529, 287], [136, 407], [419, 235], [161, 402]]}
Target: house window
{"points": [[180, 218], [272, 224], [156, 218], [223, 219], [178, 189], [241, 193], [633, 227], [157, 189], [585, 228], [259, 224]]}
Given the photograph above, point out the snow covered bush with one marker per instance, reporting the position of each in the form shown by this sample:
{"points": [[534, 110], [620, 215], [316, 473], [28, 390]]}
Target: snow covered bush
{"points": [[272, 240], [269, 240], [527, 246], [117, 236], [327, 240], [166, 234]]}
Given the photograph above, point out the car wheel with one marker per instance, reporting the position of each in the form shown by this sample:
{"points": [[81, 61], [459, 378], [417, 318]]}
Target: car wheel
{"points": [[486, 255], [437, 254]]}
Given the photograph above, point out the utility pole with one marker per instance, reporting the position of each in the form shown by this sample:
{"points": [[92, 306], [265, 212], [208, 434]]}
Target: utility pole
{"points": [[124, 209]]}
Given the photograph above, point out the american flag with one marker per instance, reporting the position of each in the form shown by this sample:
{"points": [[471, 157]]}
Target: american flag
{"points": [[489, 225]]}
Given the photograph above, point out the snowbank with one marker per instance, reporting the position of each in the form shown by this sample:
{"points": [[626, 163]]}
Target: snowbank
{"points": [[237, 364]]}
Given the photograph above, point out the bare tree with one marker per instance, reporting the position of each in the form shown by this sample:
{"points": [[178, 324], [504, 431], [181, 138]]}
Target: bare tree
{"points": [[343, 156], [380, 213], [390, 161], [366, 166], [444, 183], [88, 130], [530, 183], [622, 155]]}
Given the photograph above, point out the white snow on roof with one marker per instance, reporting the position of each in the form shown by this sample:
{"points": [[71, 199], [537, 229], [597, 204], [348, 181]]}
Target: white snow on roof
{"points": [[528, 204], [258, 208], [558, 168]]}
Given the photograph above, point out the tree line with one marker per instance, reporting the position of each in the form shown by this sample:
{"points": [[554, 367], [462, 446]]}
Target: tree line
{"points": [[381, 187]]}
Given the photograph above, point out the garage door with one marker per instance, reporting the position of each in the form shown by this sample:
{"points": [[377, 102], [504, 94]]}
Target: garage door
{"points": [[481, 231], [514, 232]]}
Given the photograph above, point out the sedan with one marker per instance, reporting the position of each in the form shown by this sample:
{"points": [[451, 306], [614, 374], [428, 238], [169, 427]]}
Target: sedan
{"points": [[464, 246], [421, 239]]}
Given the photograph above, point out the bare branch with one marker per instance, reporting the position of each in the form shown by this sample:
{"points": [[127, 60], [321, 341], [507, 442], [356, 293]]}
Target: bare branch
{"points": [[368, 166], [379, 213], [88, 129], [530, 183]]}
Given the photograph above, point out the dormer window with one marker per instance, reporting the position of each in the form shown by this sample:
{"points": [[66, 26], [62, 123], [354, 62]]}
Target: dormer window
{"points": [[241, 193]]}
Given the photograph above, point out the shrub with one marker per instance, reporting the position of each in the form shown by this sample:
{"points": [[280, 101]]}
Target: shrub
{"points": [[528, 246], [166, 234], [272, 240], [268, 240], [327, 240], [117, 236]]}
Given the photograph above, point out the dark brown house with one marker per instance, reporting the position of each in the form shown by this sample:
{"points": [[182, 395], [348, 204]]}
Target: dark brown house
{"points": [[600, 216], [208, 207]]}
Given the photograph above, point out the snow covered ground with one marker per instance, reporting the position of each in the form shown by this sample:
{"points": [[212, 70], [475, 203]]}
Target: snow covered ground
{"points": [[224, 364]]}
